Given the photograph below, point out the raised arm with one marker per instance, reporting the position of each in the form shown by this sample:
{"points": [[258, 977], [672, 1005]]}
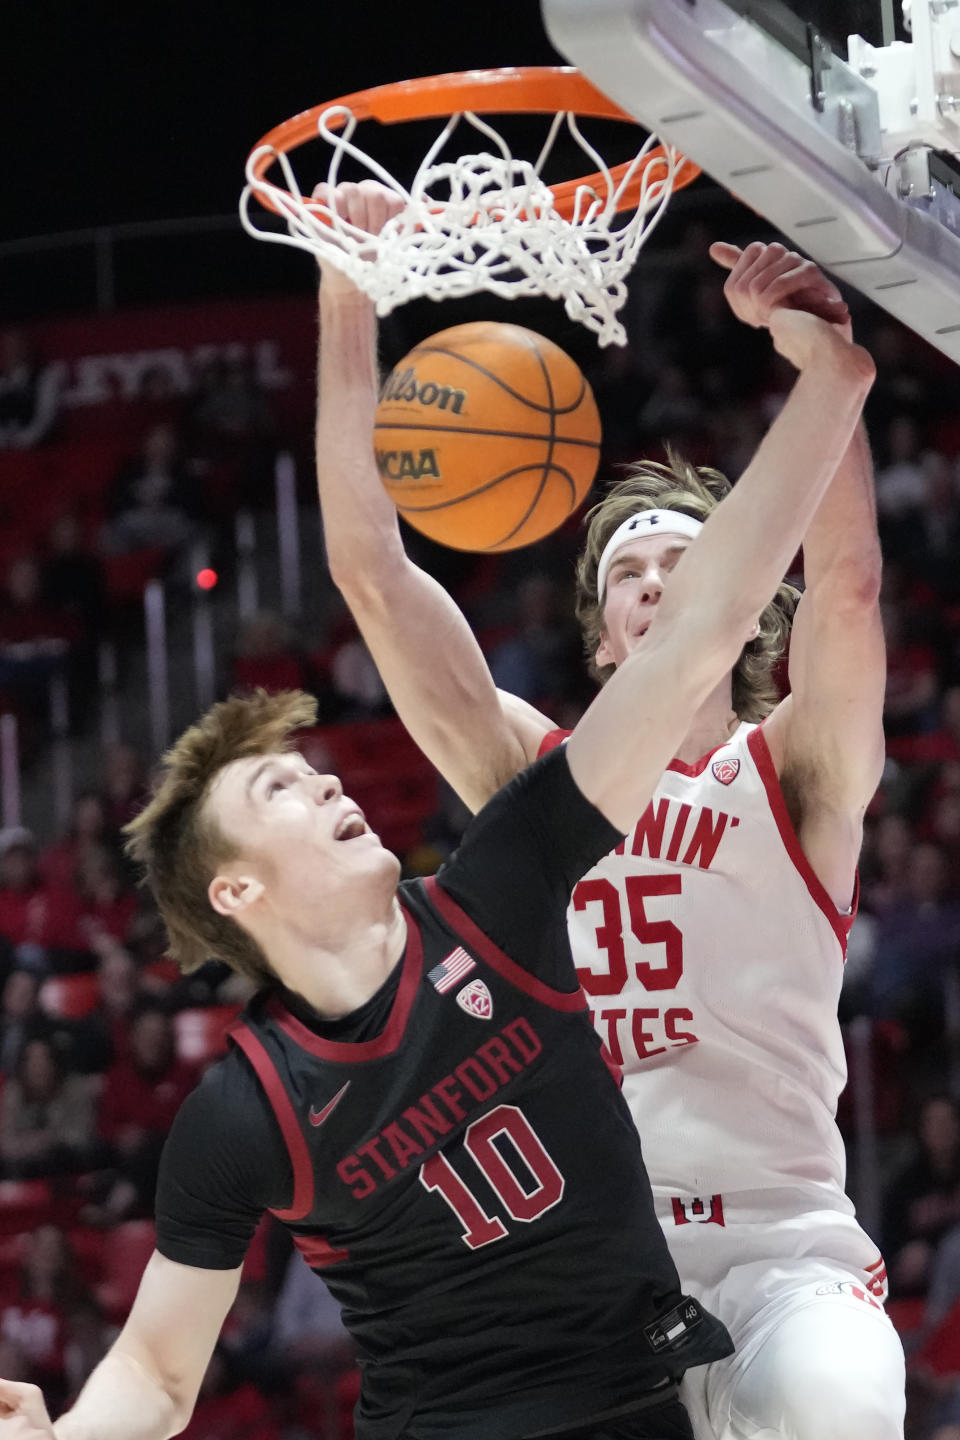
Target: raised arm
{"points": [[727, 575], [146, 1386], [427, 656], [827, 735]]}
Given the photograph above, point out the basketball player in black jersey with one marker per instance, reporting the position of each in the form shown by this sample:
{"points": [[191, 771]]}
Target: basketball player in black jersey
{"points": [[416, 1092]]}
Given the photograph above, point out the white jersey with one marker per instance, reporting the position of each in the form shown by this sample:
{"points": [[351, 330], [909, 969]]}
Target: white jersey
{"points": [[712, 959]]}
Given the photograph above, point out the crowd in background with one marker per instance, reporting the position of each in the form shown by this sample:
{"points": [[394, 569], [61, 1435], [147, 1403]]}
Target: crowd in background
{"points": [[100, 1038]]}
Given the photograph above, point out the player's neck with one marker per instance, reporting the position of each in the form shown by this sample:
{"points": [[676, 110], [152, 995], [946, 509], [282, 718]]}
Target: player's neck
{"points": [[340, 973], [712, 725]]}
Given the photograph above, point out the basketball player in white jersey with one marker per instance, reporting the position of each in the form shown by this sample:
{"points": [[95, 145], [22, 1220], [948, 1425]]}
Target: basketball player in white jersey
{"points": [[711, 943]]}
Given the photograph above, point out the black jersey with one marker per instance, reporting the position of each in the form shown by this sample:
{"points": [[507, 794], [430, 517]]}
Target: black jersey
{"points": [[469, 1182]]}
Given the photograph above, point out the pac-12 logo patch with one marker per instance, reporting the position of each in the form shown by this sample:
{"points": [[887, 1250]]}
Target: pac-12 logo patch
{"points": [[476, 999], [726, 771]]}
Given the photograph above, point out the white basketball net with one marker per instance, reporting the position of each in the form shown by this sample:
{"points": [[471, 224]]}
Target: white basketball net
{"points": [[481, 222]]}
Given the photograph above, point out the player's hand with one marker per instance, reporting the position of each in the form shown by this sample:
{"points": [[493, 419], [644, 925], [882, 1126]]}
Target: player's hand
{"points": [[23, 1415], [806, 339], [367, 205], [765, 278]]}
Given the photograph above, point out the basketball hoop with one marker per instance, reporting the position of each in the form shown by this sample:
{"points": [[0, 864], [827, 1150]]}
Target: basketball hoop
{"points": [[483, 221]]}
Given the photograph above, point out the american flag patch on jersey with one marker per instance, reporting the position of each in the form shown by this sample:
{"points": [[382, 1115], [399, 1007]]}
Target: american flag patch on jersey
{"points": [[451, 970]]}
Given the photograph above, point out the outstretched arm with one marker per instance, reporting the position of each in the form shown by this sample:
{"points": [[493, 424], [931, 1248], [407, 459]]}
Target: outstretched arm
{"points": [[146, 1386], [628, 735], [427, 656], [828, 733], [827, 736]]}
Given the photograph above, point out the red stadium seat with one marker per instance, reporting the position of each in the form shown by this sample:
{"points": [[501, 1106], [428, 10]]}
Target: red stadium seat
{"points": [[128, 575], [164, 972], [130, 1247], [70, 997], [201, 1035], [25, 1204], [89, 1248]]}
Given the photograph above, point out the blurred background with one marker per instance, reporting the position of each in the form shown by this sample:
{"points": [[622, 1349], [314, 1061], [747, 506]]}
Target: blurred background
{"points": [[160, 547]]}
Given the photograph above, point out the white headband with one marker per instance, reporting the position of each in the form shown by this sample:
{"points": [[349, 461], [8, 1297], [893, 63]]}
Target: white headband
{"points": [[645, 522]]}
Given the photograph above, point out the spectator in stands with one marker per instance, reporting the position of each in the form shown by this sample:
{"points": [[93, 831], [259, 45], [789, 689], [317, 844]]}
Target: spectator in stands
{"points": [[36, 640], [36, 1318], [142, 1093], [157, 402], [30, 394], [28, 619], [356, 680], [46, 1116], [101, 1039], [934, 541], [152, 503], [26, 616], [861, 954], [37, 918], [89, 829], [884, 862], [903, 375], [21, 1018], [124, 785], [902, 480], [948, 732], [673, 410], [539, 661], [13, 1363], [615, 376], [940, 744], [944, 827], [918, 946], [910, 702], [230, 406], [943, 1294], [90, 1338], [233, 429], [922, 1202], [228, 1408], [73, 577], [107, 903], [269, 656]]}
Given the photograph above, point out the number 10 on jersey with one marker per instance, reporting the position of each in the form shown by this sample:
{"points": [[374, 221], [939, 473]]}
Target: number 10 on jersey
{"points": [[524, 1199]]}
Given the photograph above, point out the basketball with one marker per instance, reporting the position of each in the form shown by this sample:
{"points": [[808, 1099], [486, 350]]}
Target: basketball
{"points": [[487, 437]]}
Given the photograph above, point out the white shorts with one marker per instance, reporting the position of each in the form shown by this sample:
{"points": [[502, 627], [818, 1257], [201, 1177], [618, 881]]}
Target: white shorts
{"points": [[802, 1295]]}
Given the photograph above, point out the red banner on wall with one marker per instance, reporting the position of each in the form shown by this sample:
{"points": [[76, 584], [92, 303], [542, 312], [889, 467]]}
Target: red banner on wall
{"points": [[103, 359]]}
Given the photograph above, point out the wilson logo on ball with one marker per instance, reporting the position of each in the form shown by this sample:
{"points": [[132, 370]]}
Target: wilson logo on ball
{"points": [[486, 437], [404, 385], [407, 464]]}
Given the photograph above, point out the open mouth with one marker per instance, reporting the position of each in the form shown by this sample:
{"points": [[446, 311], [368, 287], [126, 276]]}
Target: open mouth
{"points": [[351, 827]]}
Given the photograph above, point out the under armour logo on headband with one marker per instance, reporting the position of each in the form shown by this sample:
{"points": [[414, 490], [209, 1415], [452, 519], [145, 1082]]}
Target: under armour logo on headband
{"points": [[670, 522]]}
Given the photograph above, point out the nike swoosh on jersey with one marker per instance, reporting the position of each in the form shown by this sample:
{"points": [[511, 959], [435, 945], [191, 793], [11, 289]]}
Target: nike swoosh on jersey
{"points": [[317, 1117]]}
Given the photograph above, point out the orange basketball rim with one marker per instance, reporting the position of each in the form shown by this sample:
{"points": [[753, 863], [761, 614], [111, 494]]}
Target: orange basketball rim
{"points": [[516, 89]]}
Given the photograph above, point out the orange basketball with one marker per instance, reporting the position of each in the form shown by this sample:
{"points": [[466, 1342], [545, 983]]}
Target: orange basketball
{"points": [[487, 436]]}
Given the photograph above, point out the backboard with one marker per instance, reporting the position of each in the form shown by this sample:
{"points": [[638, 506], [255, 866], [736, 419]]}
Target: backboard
{"points": [[851, 153]]}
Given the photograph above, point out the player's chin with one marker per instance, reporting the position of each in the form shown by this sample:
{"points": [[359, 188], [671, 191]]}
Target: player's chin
{"points": [[370, 850]]}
